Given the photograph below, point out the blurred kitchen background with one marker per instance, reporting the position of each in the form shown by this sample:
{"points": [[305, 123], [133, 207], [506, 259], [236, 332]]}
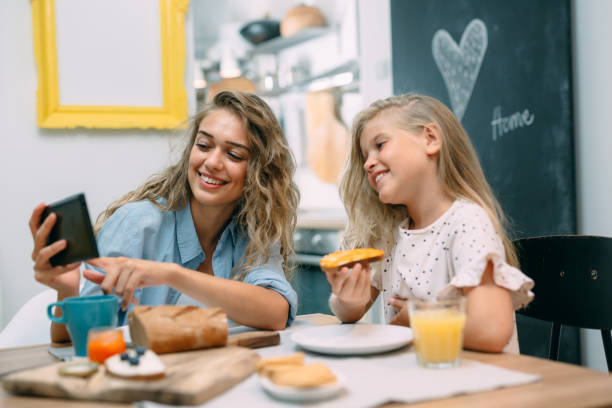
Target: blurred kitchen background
{"points": [[335, 61], [306, 60]]}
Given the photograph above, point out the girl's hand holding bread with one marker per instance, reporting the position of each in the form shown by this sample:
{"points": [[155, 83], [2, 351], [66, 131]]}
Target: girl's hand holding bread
{"points": [[348, 273], [351, 286]]}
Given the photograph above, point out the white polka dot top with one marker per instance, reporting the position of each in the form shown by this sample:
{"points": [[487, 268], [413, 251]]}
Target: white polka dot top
{"points": [[451, 253]]}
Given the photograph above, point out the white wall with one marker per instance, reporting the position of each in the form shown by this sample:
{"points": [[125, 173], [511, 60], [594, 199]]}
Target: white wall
{"points": [[592, 90], [46, 165]]}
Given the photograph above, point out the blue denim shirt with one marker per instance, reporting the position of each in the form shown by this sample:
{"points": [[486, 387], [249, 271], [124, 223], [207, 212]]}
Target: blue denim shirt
{"points": [[140, 230]]}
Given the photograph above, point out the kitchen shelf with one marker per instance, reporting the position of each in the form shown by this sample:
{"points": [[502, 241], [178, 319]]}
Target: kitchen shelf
{"points": [[321, 220], [279, 43], [321, 82]]}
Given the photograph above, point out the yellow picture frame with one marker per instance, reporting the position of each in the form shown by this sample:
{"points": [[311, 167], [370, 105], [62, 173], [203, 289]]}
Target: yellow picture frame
{"points": [[172, 113]]}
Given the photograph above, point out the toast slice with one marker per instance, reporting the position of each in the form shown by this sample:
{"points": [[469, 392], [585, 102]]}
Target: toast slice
{"points": [[349, 257]]}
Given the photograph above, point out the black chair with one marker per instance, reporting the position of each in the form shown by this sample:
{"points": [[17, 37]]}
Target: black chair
{"points": [[573, 284]]}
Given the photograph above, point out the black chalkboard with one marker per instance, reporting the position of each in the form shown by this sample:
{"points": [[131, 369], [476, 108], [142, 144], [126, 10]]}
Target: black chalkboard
{"points": [[517, 55]]}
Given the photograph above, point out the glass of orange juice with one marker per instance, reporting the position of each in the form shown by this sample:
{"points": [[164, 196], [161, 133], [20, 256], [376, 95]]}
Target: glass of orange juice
{"points": [[438, 331], [103, 342]]}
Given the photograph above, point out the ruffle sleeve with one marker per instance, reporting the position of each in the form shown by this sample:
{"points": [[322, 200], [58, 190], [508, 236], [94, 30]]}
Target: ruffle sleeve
{"points": [[476, 243], [504, 275]]}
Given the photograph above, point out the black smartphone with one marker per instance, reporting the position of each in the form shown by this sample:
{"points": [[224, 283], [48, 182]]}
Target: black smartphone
{"points": [[73, 225]]}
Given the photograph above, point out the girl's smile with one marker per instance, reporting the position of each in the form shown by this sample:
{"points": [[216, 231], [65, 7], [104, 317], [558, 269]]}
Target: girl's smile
{"points": [[378, 176]]}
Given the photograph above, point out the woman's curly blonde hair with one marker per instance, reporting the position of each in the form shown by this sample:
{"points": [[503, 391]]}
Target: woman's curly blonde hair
{"points": [[370, 222], [267, 211]]}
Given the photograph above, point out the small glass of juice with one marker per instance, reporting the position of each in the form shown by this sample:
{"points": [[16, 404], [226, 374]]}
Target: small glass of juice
{"points": [[103, 342], [438, 331]]}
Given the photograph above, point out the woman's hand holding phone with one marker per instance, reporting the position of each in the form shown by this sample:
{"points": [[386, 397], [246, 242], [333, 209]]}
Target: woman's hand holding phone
{"points": [[64, 279]]}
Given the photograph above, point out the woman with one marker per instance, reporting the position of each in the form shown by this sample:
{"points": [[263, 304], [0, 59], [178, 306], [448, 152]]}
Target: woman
{"points": [[216, 227]]}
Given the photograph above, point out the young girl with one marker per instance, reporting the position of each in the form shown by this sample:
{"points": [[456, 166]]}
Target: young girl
{"points": [[413, 186], [215, 228]]}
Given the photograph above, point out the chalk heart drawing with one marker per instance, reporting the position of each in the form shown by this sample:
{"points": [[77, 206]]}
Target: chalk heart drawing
{"points": [[460, 64]]}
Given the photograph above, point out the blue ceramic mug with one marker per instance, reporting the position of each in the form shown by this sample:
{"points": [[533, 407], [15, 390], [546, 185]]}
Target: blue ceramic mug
{"points": [[80, 314]]}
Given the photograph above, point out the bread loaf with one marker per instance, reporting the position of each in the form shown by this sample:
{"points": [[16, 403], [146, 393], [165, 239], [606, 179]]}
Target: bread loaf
{"points": [[168, 329]]}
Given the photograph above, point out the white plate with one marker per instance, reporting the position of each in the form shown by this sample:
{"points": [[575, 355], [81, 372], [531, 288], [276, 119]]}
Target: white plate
{"points": [[345, 339], [299, 394]]}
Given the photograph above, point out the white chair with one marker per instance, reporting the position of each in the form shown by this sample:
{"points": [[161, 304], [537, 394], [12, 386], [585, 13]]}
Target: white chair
{"points": [[30, 325]]}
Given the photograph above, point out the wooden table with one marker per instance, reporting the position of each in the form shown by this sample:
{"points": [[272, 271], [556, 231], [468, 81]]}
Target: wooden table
{"points": [[562, 385]]}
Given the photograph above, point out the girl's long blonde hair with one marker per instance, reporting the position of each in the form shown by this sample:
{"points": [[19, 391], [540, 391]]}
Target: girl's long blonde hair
{"points": [[370, 222], [267, 210]]}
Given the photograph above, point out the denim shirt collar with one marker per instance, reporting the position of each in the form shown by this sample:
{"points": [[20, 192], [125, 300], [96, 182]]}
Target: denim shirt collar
{"points": [[187, 238]]}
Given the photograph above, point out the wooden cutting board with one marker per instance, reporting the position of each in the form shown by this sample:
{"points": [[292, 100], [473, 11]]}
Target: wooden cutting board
{"points": [[328, 139], [191, 378]]}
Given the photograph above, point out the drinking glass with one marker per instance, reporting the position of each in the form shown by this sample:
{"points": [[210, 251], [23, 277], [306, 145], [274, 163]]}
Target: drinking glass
{"points": [[103, 342], [81, 313], [438, 331]]}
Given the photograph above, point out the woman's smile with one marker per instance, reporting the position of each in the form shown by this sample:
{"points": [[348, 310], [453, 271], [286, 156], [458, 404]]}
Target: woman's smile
{"points": [[211, 181]]}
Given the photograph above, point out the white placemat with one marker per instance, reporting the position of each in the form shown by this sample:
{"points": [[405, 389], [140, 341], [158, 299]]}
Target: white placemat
{"points": [[374, 380]]}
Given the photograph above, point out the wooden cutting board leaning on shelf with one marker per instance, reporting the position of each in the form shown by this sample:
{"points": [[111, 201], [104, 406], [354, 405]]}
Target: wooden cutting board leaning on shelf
{"points": [[327, 138]]}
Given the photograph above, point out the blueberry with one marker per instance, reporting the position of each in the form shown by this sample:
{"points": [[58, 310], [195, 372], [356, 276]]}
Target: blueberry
{"points": [[134, 360], [124, 356], [140, 350]]}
